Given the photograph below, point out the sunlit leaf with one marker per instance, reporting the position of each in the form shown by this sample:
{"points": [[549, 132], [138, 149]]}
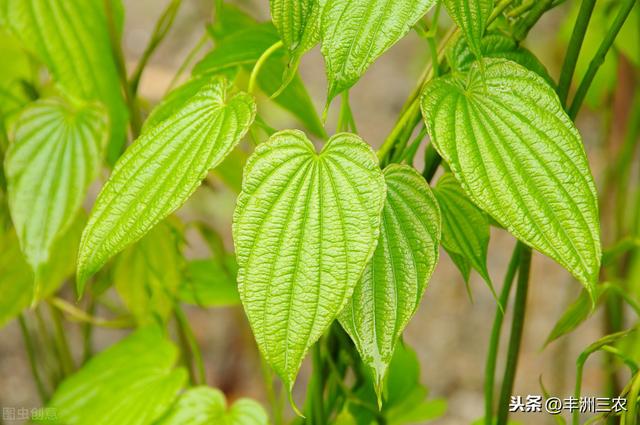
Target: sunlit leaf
{"points": [[355, 34], [495, 45], [71, 38], [159, 172], [297, 22], [465, 228], [471, 17], [55, 154], [207, 406], [519, 157], [393, 283], [305, 226]]}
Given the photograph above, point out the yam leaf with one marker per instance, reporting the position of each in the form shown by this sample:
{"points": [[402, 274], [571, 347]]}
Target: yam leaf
{"points": [[206, 406], [471, 17], [465, 228], [161, 169], [305, 227], [502, 130], [297, 22], [131, 383], [55, 154], [147, 275], [394, 281], [71, 38], [355, 34]]}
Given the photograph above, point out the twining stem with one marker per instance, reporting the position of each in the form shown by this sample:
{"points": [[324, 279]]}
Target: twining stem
{"points": [[599, 57], [159, 32], [573, 51], [61, 342], [531, 19], [261, 61], [80, 315], [118, 56], [31, 354], [494, 342], [199, 375], [515, 338]]}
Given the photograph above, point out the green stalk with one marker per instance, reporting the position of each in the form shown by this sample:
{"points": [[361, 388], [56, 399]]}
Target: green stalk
{"points": [[199, 375], [87, 332], [573, 51], [61, 342], [159, 32], [317, 387], [432, 160], [118, 57], [531, 19], [261, 61], [599, 57], [31, 354], [515, 338], [276, 410], [494, 343]]}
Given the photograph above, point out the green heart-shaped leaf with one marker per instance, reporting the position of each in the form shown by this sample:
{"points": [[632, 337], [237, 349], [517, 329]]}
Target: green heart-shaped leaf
{"points": [[393, 283], [305, 226], [519, 157]]}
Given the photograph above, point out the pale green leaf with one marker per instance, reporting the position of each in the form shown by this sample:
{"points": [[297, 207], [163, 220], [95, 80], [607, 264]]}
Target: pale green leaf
{"points": [[305, 226], [355, 34], [16, 276], [495, 45], [131, 383], [13, 75], [393, 283], [55, 154], [147, 274], [207, 406], [211, 283], [471, 17], [71, 38], [159, 172], [519, 157], [465, 228], [297, 22]]}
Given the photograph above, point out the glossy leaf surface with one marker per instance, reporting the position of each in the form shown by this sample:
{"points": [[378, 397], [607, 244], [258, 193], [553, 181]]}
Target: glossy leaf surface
{"points": [[519, 157], [393, 283], [305, 226], [207, 406], [55, 155], [355, 34], [131, 383], [159, 172]]}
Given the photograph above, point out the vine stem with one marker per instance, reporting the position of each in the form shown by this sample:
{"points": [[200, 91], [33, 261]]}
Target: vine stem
{"points": [[261, 61], [31, 354], [199, 376], [317, 387], [515, 338], [598, 59], [573, 51], [494, 343]]}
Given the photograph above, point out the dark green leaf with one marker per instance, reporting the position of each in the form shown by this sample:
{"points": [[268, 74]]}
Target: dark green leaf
{"points": [[465, 228]]}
